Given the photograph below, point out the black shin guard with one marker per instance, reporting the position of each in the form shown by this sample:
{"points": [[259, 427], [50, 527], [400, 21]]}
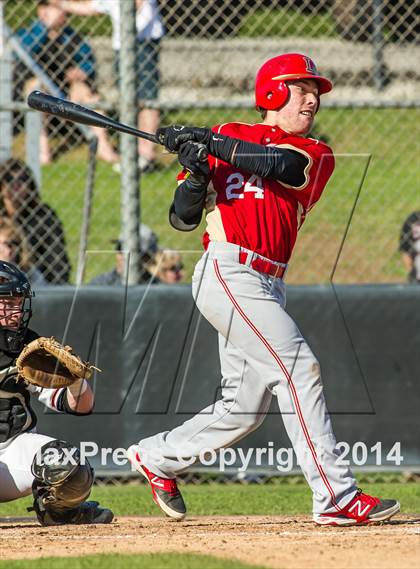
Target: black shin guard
{"points": [[61, 483]]}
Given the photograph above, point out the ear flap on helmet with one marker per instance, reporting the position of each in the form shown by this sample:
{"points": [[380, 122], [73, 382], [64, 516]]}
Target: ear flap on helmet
{"points": [[273, 94]]}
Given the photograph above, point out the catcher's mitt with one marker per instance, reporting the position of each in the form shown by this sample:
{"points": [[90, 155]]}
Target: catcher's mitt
{"points": [[47, 363]]}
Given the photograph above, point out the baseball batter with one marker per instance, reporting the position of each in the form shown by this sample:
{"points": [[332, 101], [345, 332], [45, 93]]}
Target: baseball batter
{"points": [[30, 462], [257, 186]]}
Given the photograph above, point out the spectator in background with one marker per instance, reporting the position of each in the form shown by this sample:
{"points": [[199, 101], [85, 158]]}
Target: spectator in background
{"points": [[149, 33], [166, 266], [410, 246], [20, 201], [148, 248], [14, 249], [69, 61]]}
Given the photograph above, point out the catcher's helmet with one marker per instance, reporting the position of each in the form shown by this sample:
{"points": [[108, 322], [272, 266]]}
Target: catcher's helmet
{"points": [[13, 283], [271, 90]]}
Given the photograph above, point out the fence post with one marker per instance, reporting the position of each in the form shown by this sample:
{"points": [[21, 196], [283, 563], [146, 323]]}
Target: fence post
{"points": [[130, 203], [378, 46], [87, 210], [32, 135], [5, 91]]}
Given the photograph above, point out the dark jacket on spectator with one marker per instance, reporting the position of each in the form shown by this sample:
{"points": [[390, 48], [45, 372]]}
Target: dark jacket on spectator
{"points": [[38, 221], [44, 233]]}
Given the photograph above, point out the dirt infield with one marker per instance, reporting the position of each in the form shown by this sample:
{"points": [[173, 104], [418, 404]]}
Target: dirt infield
{"points": [[275, 541]]}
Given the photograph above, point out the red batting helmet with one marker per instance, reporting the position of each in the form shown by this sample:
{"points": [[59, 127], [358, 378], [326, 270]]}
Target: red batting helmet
{"points": [[271, 91]]}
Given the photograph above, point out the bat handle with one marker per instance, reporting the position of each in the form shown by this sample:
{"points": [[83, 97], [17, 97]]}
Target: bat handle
{"points": [[202, 154]]}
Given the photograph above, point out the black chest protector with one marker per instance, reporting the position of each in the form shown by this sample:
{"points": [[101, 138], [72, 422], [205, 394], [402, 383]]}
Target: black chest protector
{"points": [[16, 415]]}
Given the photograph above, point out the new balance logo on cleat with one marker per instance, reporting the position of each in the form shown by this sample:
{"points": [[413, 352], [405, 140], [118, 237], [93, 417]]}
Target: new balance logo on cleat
{"points": [[164, 490], [362, 509], [157, 481]]}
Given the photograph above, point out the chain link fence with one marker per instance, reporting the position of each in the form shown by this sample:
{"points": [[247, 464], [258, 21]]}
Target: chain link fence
{"points": [[256, 477], [201, 71]]}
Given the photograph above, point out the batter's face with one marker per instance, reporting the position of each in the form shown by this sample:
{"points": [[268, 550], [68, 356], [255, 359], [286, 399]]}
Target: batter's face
{"points": [[297, 115], [11, 312]]}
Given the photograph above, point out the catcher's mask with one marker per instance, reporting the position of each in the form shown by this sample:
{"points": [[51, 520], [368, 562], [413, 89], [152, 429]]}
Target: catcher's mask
{"points": [[15, 307]]}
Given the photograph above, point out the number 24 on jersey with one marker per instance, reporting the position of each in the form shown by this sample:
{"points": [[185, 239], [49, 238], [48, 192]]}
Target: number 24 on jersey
{"points": [[237, 187]]}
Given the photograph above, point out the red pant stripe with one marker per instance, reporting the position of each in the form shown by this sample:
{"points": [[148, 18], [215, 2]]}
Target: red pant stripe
{"points": [[289, 380]]}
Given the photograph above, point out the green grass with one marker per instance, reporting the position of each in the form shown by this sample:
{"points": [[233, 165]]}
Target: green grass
{"points": [[227, 500], [138, 561], [283, 22]]}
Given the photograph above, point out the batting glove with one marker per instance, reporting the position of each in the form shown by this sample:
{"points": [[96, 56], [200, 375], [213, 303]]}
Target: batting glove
{"points": [[190, 156], [173, 136]]}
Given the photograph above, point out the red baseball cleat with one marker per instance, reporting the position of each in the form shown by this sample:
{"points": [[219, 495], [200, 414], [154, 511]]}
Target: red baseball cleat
{"points": [[363, 509], [165, 491]]}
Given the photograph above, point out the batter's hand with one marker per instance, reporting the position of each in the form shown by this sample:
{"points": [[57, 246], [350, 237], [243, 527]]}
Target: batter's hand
{"points": [[190, 156], [172, 137]]}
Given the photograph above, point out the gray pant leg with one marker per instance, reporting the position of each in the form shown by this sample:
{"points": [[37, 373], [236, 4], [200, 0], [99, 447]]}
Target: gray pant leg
{"points": [[275, 348], [243, 406]]}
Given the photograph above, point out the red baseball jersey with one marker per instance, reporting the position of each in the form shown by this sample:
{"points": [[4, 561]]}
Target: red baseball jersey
{"points": [[257, 213]]}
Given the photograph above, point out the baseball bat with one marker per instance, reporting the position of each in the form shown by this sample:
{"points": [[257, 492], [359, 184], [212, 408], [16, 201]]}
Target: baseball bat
{"points": [[79, 114]]}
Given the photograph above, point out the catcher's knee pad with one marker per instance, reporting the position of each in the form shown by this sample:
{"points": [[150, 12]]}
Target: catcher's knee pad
{"points": [[61, 483]]}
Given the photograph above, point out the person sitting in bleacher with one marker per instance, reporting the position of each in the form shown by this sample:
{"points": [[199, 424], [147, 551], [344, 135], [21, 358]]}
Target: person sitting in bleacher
{"points": [[157, 265], [14, 249], [148, 248], [166, 267], [21, 202]]}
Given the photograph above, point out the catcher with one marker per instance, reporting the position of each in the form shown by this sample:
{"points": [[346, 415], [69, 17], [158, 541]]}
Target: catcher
{"points": [[31, 462]]}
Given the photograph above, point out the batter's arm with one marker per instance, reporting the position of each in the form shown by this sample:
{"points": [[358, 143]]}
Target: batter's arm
{"points": [[187, 207], [190, 196], [281, 164]]}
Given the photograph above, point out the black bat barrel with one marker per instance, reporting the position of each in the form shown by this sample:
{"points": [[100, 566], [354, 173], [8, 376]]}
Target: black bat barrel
{"points": [[70, 111]]}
